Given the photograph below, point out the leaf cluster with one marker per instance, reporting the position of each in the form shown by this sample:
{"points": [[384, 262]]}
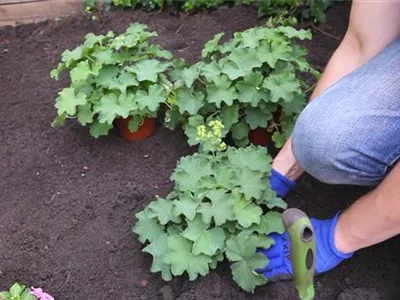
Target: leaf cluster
{"points": [[221, 207], [147, 5], [17, 292], [113, 76], [299, 9], [253, 80]]}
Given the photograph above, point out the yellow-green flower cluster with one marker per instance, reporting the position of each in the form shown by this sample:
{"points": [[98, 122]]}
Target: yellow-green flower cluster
{"points": [[212, 135]]}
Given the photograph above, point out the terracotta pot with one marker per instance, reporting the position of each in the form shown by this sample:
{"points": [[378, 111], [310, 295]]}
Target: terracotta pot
{"points": [[145, 130], [259, 136]]}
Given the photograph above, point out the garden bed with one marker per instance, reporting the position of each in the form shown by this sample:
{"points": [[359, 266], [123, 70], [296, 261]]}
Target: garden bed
{"points": [[68, 201]]}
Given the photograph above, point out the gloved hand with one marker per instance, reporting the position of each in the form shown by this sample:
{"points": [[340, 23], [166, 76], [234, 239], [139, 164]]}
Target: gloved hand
{"points": [[328, 257], [280, 183]]}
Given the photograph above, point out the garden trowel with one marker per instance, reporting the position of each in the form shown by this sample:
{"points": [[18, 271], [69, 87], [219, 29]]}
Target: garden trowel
{"points": [[302, 251]]}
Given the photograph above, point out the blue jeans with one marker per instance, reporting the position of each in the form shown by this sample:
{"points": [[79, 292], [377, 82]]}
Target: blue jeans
{"points": [[350, 134]]}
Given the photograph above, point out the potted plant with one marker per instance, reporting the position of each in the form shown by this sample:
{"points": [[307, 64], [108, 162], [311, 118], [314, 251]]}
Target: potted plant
{"points": [[221, 207], [251, 83], [115, 79]]}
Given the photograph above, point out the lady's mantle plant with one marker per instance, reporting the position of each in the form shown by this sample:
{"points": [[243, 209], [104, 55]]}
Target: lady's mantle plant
{"points": [[220, 208], [251, 81], [113, 77]]}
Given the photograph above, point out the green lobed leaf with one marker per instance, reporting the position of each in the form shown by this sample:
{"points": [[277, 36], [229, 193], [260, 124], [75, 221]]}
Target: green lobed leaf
{"points": [[229, 116], [85, 114], [148, 228], [148, 69], [274, 222], [26, 295], [123, 81], [212, 45], [55, 73], [250, 38], [279, 139], [250, 89], [106, 75], [255, 158], [186, 205], [67, 101], [246, 213], [292, 32], [241, 62], [282, 86], [157, 51], [273, 52], [271, 199], [205, 240], [240, 130], [104, 56], [158, 249], [92, 39], [189, 75], [191, 129], [16, 290], [269, 223], [98, 129], [71, 56], [218, 257], [222, 91], [220, 209], [190, 170], [250, 183], [224, 176], [134, 123], [181, 258], [241, 250], [162, 210], [211, 71], [59, 121], [152, 98], [110, 107], [189, 101], [256, 117], [81, 72]]}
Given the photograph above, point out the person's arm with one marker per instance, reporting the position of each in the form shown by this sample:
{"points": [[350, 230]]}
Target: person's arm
{"points": [[372, 26], [373, 218]]}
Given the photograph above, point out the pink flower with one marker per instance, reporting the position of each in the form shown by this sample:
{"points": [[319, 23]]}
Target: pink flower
{"points": [[40, 295]]}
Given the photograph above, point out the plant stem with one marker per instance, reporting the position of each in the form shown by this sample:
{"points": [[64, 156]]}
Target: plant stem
{"points": [[326, 33], [310, 88]]}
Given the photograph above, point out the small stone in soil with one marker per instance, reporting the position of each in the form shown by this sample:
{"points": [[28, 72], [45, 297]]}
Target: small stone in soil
{"points": [[167, 293], [144, 282]]}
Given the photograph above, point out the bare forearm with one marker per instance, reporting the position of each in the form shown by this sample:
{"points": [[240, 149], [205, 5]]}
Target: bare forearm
{"points": [[373, 218]]}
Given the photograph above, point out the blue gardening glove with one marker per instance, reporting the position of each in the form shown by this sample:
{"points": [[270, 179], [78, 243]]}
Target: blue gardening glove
{"points": [[328, 257], [280, 184]]}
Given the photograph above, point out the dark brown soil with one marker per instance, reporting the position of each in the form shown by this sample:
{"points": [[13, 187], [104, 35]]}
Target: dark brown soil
{"points": [[68, 201]]}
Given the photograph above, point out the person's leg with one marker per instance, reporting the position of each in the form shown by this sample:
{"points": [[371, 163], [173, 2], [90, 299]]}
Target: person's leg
{"points": [[350, 134]]}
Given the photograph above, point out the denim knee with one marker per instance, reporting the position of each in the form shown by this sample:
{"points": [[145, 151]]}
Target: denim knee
{"points": [[350, 133], [324, 152], [343, 148]]}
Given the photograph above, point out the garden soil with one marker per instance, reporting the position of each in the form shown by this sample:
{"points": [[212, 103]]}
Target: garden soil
{"points": [[67, 201]]}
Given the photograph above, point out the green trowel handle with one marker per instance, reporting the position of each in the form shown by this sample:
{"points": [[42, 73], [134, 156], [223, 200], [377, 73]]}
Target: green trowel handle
{"points": [[302, 250]]}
